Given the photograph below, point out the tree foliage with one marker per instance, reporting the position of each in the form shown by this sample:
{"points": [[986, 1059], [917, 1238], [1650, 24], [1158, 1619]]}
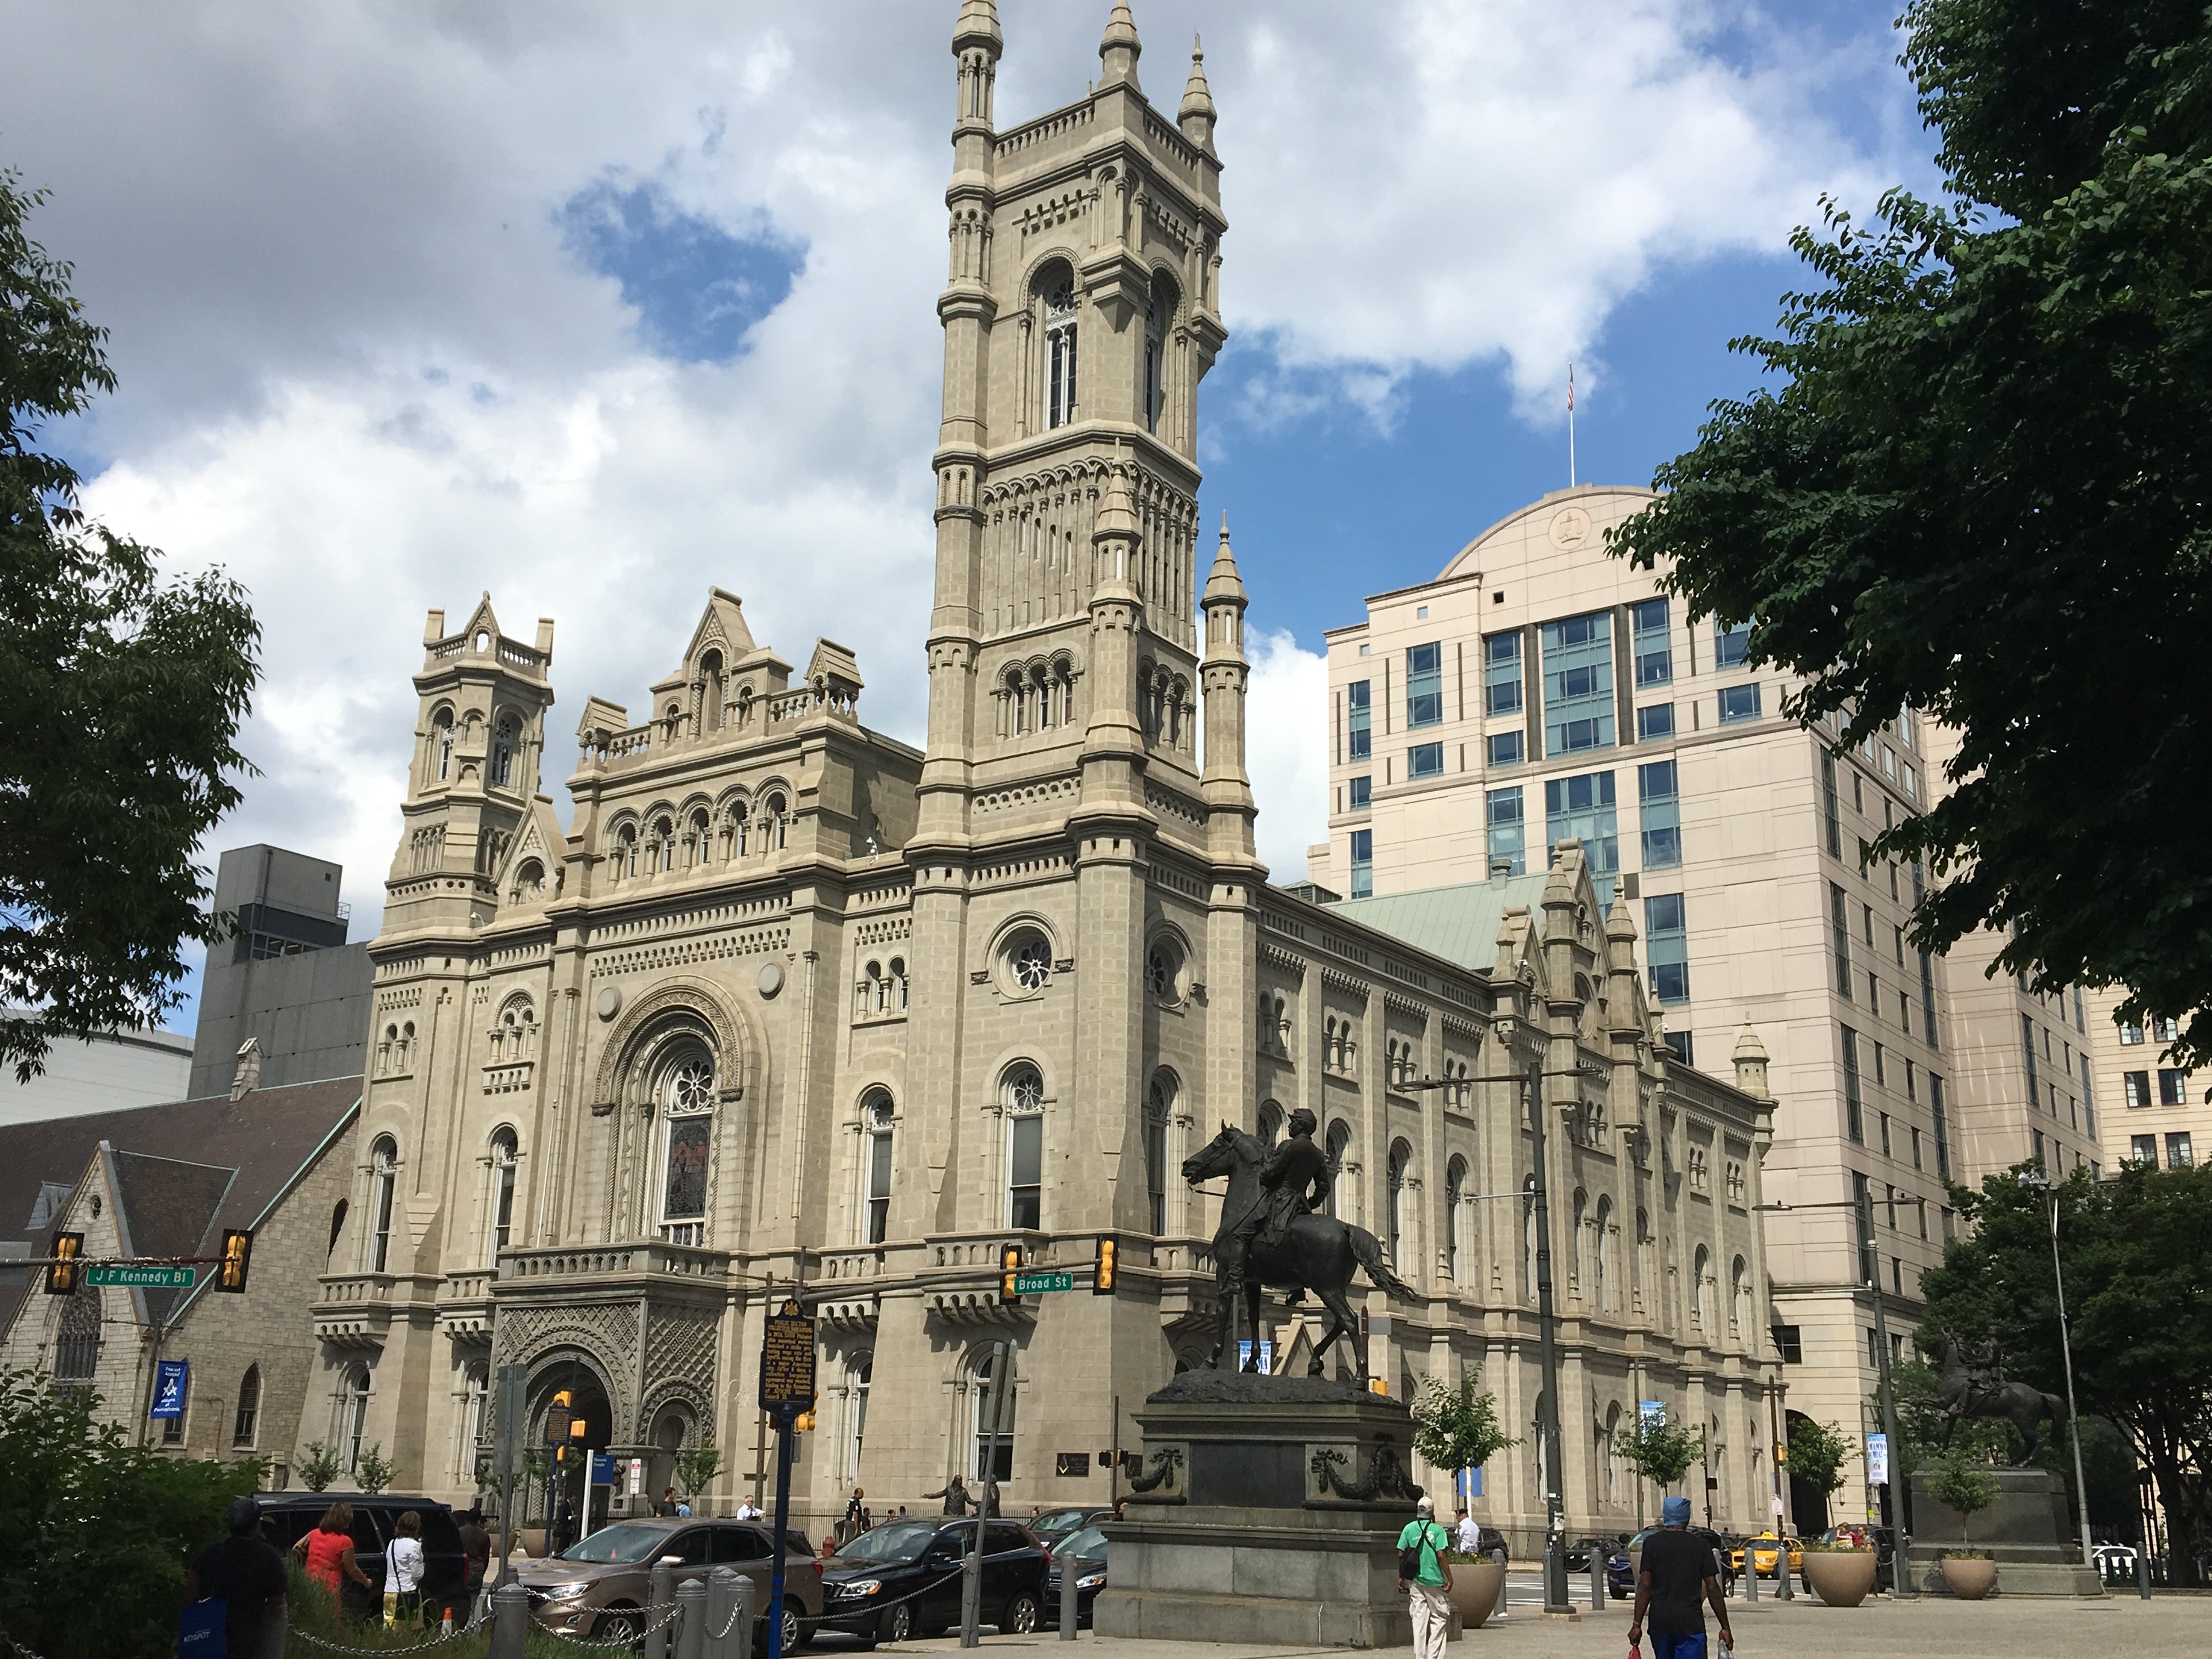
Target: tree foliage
{"points": [[319, 1468], [1456, 1429], [123, 693], [1978, 482], [1963, 1481], [698, 1463], [1818, 1452], [2136, 1251], [97, 1532], [1659, 1450]]}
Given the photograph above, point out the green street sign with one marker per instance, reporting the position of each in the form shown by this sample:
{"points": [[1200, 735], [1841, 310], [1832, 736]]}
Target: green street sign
{"points": [[143, 1279], [1033, 1284]]}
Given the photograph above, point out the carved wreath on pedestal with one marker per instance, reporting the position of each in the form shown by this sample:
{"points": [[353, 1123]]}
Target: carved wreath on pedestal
{"points": [[1386, 1476]]}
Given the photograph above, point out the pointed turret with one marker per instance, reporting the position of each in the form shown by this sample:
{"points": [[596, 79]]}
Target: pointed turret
{"points": [[1751, 1060], [1198, 115], [978, 28], [1114, 738], [1225, 676], [1119, 49], [1224, 587]]}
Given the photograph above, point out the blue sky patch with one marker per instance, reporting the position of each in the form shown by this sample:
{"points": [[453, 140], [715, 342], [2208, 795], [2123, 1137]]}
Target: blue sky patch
{"points": [[696, 286]]}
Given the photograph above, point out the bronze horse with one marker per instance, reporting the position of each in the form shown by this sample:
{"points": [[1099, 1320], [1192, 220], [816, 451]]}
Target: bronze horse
{"points": [[1318, 1253], [1973, 1386]]}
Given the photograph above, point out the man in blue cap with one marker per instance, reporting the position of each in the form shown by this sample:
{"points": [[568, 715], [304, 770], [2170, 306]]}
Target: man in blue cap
{"points": [[1675, 1567]]}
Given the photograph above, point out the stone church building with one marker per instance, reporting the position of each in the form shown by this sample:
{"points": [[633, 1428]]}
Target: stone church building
{"points": [[785, 997]]}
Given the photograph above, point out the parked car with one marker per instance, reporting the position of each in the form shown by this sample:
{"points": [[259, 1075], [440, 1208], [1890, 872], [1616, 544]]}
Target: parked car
{"points": [[1620, 1583], [1054, 1527], [1883, 1540], [1491, 1544], [600, 1587], [1083, 1553], [902, 1580], [2116, 1563], [288, 1516], [1583, 1551], [1767, 1549]]}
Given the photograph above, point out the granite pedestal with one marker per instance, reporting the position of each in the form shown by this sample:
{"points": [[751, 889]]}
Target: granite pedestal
{"points": [[2026, 1529], [1266, 1509]]}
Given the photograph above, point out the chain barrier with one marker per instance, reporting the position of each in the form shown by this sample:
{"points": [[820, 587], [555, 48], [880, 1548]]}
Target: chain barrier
{"points": [[438, 1641], [16, 1647]]}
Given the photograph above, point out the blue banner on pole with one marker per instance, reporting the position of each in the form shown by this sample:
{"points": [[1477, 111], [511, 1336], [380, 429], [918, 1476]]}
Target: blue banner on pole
{"points": [[1469, 1482], [170, 1385], [603, 1469]]}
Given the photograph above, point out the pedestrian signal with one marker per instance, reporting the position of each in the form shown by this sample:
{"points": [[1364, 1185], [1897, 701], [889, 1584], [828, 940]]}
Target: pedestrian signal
{"points": [[1102, 1267], [66, 1270], [237, 1257], [1010, 1270]]}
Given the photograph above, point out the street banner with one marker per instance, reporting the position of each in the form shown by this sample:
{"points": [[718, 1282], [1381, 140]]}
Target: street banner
{"points": [[171, 1381]]}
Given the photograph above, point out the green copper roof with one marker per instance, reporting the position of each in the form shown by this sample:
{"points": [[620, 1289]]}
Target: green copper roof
{"points": [[1457, 923]]}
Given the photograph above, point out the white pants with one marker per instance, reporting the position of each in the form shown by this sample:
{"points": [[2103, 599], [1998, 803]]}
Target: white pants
{"points": [[1431, 1620]]}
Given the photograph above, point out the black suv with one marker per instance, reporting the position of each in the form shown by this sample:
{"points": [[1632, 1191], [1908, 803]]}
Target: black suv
{"points": [[1620, 1583], [288, 1516], [903, 1580]]}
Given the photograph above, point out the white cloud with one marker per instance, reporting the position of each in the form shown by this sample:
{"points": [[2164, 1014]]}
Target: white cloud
{"points": [[361, 370], [1287, 750]]}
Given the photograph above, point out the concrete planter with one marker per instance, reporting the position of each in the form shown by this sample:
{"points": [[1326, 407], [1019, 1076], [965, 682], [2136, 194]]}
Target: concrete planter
{"points": [[1473, 1592], [1970, 1580], [1842, 1579]]}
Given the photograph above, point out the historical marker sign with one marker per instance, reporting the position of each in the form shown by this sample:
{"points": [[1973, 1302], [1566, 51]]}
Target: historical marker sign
{"points": [[143, 1279], [1035, 1284], [787, 1374]]}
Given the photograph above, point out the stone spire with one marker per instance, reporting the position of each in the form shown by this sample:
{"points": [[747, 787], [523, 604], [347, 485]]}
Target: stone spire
{"points": [[1226, 786], [1197, 115], [978, 42], [1114, 738], [1751, 1058], [978, 26], [1119, 48]]}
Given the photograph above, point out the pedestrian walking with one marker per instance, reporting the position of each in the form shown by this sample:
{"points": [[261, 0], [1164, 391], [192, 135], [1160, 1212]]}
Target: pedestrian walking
{"points": [[856, 1517], [327, 1553], [1675, 1569], [475, 1559], [246, 1575], [403, 1570], [667, 1504], [1421, 1546]]}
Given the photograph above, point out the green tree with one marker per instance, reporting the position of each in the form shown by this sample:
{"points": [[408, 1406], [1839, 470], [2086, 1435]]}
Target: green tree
{"points": [[1457, 1429], [319, 1468], [698, 1463], [124, 692], [1964, 1483], [1818, 1452], [1976, 479], [373, 1469], [1659, 1451], [2137, 1252], [100, 1531]]}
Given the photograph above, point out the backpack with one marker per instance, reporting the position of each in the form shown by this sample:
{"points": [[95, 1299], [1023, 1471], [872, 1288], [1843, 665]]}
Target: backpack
{"points": [[1409, 1559], [203, 1633]]}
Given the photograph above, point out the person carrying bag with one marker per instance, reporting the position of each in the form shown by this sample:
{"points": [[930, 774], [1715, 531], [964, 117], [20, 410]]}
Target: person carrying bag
{"points": [[1425, 1575]]}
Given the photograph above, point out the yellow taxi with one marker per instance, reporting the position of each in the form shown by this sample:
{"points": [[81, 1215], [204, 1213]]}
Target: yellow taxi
{"points": [[1763, 1550]]}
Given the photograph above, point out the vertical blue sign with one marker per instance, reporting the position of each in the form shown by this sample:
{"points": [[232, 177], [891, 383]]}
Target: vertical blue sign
{"points": [[1469, 1482], [169, 1385], [1267, 1354], [603, 1469]]}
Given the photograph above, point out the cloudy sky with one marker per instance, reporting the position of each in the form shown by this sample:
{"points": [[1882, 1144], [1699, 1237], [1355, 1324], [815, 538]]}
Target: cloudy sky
{"points": [[594, 306]]}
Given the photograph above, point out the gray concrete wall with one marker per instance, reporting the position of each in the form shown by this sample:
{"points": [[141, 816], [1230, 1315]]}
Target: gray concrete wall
{"points": [[310, 1011]]}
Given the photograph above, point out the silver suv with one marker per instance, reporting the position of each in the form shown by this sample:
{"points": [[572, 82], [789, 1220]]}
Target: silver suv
{"points": [[599, 1588]]}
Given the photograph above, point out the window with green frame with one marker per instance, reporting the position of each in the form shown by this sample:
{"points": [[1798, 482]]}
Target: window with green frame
{"points": [[1425, 686], [1578, 689], [1508, 829]]}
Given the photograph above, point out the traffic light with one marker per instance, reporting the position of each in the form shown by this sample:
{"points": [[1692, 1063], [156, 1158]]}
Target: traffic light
{"points": [[66, 1272], [237, 1257], [1102, 1269], [803, 1423], [1009, 1267]]}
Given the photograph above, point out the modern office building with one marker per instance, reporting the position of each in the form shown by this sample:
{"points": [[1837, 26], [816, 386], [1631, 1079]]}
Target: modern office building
{"points": [[1540, 690], [286, 978], [103, 1073], [2149, 1110]]}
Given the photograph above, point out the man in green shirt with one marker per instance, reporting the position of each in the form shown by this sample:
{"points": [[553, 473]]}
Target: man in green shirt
{"points": [[1432, 1609]]}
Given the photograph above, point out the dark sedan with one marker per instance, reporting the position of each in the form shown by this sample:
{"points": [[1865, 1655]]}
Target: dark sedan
{"points": [[903, 1580], [1583, 1551], [1054, 1527], [1620, 1583], [1082, 1554]]}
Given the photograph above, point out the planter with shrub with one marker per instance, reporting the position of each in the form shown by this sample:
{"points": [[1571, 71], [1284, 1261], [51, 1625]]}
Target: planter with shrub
{"points": [[1841, 1575]]}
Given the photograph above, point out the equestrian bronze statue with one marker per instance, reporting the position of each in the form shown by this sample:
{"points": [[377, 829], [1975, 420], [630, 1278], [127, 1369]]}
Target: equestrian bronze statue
{"points": [[1271, 1237], [1973, 1385]]}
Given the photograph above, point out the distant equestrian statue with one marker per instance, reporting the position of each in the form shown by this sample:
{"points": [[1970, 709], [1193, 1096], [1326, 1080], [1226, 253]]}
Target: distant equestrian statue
{"points": [[1974, 1385], [1270, 1237]]}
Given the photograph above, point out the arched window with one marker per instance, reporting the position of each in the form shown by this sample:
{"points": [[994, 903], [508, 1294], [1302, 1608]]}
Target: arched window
{"points": [[503, 1154], [774, 831], [687, 1106], [898, 984], [663, 856], [502, 752], [442, 745], [865, 993], [877, 1113], [1339, 1142], [1156, 315], [863, 1376], [354, 1408], [249, 1408], [1059, 315], [979, 1396], [1455, 1218], [710, 691], [699, 842], [1159, 1107], [475, 1422], [625, 852], [383, 1189], [1581, 1257], [76, 1345], [337, 1225], [1271, 1124], [1163, 965], [1022, 1092], [738, 832], [1699, 1272], [1529, 1238], [1739, 1296], [529, 881], [1602, 1298], [1402, 1158]]}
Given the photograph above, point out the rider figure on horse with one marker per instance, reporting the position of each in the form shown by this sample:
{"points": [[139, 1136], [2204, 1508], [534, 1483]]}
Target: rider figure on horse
{"points": [[1294, 1179]]}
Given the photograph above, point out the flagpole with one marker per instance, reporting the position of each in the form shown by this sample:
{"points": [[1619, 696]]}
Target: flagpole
{"points": [[1570, 426]]}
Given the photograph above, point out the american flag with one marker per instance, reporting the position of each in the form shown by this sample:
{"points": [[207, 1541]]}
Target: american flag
{"points": [[1570, 388]]}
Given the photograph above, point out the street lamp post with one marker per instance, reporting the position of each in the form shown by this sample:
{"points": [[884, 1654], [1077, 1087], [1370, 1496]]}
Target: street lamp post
{"points": [[2037, 1181]]}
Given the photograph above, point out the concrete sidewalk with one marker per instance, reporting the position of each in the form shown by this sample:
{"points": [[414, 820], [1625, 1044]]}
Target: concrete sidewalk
{"points": [[2122, 1627]]}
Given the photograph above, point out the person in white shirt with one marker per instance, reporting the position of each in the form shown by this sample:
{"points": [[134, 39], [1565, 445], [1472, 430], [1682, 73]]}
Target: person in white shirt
{"points": [[1470, 1536], [749, 1511], [403, 1570]]}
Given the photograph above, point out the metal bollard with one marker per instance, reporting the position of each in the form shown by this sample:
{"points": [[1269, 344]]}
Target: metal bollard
{"points": [[2142, 1570], [741, 1634], [660, 1601], [1751, 1574], [1782, 1590], [1071, 1602], [510, 1622], [721, 1610], [1597, 1582], [1504, 1592], [691, 1619]]}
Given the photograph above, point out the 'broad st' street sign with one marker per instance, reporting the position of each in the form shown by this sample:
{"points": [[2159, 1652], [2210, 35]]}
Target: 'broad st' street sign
{"points": [[1035, 1284]]}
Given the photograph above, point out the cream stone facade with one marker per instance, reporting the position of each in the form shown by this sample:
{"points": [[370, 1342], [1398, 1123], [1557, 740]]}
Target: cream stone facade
{"points": [[785, 999], [1538, 692], [2148, 1110]]}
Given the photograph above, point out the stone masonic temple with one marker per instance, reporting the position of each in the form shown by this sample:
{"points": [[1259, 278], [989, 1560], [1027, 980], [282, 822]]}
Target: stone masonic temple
{"points": [[784, 998]]}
